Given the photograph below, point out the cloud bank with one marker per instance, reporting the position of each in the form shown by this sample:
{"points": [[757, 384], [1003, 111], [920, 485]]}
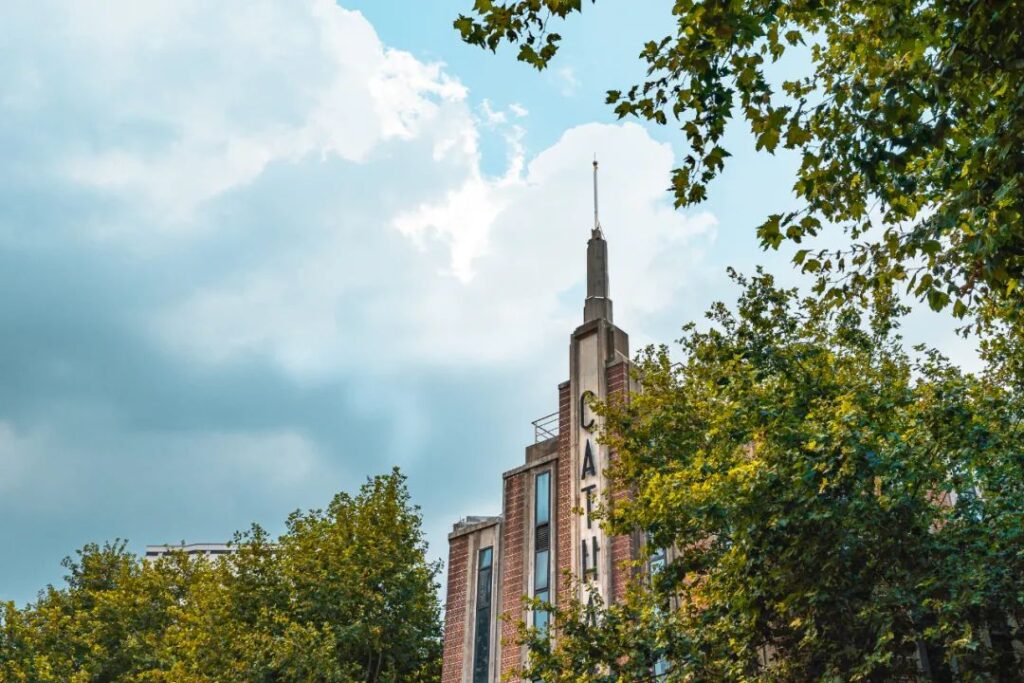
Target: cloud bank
{"points": [[249, 255]]}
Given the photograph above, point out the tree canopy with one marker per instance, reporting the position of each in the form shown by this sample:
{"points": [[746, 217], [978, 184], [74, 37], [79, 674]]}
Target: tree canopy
{"points": [[909, 120], [833, 506], [345, 595]]}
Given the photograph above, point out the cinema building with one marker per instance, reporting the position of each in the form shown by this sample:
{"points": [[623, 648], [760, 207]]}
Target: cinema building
{"points": [[545, 527]]}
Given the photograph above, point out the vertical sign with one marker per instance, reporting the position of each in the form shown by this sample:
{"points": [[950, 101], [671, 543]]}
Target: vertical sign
{"points": [[592, 546]]}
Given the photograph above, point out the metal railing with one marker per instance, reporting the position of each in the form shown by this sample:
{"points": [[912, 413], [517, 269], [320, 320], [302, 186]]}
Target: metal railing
{"points": [[545, 428]]}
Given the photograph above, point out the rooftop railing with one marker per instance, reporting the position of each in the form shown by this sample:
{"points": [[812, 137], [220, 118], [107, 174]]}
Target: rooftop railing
{"points": [[545, 428]]}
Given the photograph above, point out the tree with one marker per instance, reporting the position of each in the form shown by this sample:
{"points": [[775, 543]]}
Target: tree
{"points": [[19, 661], [361, 565], [909, 121], [345, 595], [835, 506], [104, 626]]}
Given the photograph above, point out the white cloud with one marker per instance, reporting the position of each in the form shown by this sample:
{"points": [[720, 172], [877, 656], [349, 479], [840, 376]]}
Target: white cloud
{"points": [[567, 81], [338, 182], [229, 88], [491, 116], [257, 257], [484, 279], [297, 212]]}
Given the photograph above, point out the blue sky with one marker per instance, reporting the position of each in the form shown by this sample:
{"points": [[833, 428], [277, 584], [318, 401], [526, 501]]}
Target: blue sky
{"points": [[253, 252]]}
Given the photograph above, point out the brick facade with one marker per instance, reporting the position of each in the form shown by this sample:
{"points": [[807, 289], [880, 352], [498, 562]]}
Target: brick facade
{"points": [[455, 610], [513, 580], [624, 548], [617, 376], [563, 520], [513, 554]]}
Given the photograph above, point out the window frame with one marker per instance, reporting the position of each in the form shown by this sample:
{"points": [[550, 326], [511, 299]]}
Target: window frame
{"points": [[482, 615], [538, 590]]}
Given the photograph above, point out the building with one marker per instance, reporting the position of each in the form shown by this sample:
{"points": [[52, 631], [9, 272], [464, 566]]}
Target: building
{"points": [[545, 528], [205, 549]]}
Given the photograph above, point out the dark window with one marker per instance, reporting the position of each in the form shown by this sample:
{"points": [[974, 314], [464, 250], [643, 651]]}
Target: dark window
{"points": [[543, 499], [543, 539], [540, 617], [542, 547], [541, 575], [936, 666], [1007, 667], [657, 561], [482, 641]]}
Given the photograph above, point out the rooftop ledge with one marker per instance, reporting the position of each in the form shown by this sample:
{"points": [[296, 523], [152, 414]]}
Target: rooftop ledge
{"points": [[472, 523]]}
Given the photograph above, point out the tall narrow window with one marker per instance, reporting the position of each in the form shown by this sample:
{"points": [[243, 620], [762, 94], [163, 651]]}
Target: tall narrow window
{"points": [[542, 547], [936, 666], [482, 638], [1007, 667], [658, 560]]}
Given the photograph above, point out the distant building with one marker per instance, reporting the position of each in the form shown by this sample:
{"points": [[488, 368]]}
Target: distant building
{"points": [[545, 528], [208, 549]]}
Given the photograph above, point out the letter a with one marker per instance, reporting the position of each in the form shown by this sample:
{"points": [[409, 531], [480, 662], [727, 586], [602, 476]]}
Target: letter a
{"points": [[588, 463]]}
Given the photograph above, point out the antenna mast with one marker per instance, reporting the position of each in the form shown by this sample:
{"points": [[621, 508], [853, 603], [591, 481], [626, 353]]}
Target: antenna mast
{"points": [[597, 222]]}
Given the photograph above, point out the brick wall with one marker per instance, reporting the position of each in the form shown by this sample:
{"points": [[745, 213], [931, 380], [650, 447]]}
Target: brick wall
{"points": [[563, 514], [617, 376], [512, 579], [624, 548], [455, 609]]}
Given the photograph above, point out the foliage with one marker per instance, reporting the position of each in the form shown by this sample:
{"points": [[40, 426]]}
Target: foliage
{"points": [[909, 119], [346, 594], [833, 504]]}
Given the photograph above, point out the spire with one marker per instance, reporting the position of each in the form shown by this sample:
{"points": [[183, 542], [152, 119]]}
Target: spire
{"points": [[597, 305]]}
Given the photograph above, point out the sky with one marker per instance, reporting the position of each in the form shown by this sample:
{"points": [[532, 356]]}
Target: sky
{"points": [[254, 252]]}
